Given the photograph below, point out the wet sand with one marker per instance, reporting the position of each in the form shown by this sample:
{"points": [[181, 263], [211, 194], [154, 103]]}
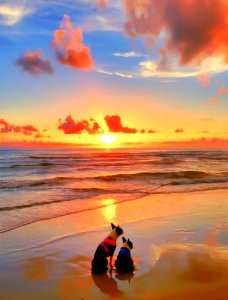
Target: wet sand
{"points": [[180, 251]]}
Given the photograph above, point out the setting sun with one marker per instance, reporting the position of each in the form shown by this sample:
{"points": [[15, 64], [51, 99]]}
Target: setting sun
{"points": [[107, 138]]}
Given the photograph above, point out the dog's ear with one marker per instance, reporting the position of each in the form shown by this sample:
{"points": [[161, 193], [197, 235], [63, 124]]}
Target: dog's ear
{"points": [[113, 226], [119, 230], [130, 244], [124, 240], [128, 240]]}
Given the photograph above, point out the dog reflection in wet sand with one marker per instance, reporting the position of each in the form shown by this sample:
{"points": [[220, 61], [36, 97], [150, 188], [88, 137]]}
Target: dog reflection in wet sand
{"points": [[104, 250], [107, 284]]}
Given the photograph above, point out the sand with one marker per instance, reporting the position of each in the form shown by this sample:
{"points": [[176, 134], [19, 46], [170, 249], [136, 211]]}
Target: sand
{"points": [[180, 251]]}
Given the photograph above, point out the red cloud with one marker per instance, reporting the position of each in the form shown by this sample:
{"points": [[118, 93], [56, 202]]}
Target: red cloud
{"points": [[6, 127], [222, 91], [33, 63], [115, 125], [179, 130], [69, 126], [69, 47], [194, 29]]}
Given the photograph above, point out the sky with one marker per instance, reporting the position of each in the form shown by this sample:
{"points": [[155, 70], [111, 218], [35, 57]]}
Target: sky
{"points": [[114, 73]]}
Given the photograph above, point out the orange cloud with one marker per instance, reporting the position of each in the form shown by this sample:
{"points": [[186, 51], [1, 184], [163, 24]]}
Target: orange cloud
{"points": [[193, 29], [179, 130], [33, 63], [222, 91], [115, 125], [6, 127], [69, 126], [214, 100], [152, 131], [39, 135], [69, 47]]}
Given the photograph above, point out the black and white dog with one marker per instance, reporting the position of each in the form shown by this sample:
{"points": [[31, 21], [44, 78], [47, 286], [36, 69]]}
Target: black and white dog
{"points": [[106, 249], [124, 262]]}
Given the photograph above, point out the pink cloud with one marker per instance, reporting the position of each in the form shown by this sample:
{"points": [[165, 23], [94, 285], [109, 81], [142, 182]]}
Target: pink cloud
{"points": [[194, 29], [115, 125], [69, 126], [33, 63], [222, 91], [69, 47]]}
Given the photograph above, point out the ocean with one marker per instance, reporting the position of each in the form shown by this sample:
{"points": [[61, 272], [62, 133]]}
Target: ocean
{"points": [[43, 184]]}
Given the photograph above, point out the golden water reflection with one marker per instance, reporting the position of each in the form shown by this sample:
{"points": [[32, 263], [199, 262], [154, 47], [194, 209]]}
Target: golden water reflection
{"points": [[109, 209]]}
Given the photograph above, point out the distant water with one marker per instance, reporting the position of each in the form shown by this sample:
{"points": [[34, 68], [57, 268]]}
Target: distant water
{"points": [[43, 184]]}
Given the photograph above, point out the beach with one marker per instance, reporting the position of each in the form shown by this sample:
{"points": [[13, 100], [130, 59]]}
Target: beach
{"points": [[180, 251]]}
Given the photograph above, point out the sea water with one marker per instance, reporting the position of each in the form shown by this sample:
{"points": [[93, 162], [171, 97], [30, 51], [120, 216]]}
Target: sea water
{"points": [[44, 184]]}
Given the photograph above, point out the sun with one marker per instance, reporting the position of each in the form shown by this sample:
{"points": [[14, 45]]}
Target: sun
{"points": [[108, 138]]}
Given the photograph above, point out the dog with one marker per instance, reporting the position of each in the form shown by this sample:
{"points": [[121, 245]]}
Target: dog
{"points": [[124, 262], [106, 249]]}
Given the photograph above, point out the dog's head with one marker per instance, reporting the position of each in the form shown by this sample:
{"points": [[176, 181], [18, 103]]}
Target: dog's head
{"points": [[118, 229], [127, 243]]}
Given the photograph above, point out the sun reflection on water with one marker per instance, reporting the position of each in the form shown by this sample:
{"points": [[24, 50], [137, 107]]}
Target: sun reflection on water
{"points": [[109, 209]]}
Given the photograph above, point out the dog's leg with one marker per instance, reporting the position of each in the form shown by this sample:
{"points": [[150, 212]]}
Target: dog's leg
{"points": [[110, 262]]}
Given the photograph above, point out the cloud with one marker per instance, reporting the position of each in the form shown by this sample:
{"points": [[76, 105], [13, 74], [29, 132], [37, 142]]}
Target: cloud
{"points": [[222, 91], [204, 80], [6, 127], [39, 136], [120, 74], [103, 3], [33, 63], [152, 131], [69, 47], [197, 143], [128, 54], [153, 68], [179, 130], [191, 30], [115, 125], [214, 100], [69, 126], [13, 12]]}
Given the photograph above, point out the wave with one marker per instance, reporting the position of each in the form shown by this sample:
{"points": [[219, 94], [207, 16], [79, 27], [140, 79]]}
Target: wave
{"points": [[44, 164], [84, 193], [158, 175], [95, 207], [9, 184], [56, 181], [214, 158]]}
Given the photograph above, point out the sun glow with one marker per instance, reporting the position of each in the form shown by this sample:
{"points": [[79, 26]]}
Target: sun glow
{"points": [[108, 138]]}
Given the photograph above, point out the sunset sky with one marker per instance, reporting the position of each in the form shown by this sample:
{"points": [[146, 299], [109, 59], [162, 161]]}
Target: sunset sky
{"points": [[143, 73]]}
